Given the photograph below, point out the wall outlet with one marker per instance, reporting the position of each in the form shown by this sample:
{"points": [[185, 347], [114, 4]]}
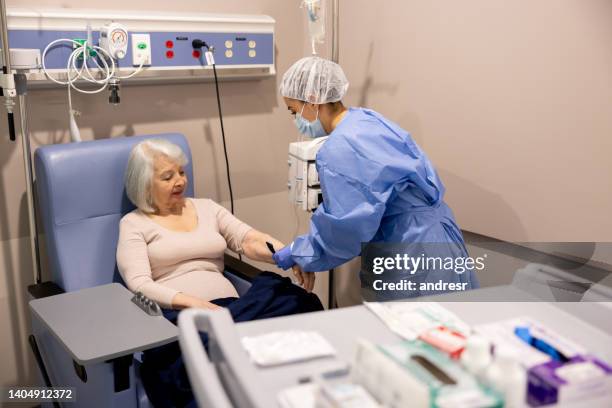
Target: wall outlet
{"points": [[141, 49]]}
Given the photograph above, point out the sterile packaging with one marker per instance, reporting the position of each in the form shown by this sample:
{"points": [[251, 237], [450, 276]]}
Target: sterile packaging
{"points": [[299, 396], [503, 333], [344, 395], [446, 340], [411, 319], [414, 374], [286, 347], [477, 355], [506, 375], [582, 379], [327, 395]]}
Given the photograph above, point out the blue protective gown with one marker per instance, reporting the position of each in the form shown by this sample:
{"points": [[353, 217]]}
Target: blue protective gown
{"points": [[378, 186]]}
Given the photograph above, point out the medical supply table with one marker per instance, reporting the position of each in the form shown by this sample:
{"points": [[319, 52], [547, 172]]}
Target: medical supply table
{"points": [[342, 327]]}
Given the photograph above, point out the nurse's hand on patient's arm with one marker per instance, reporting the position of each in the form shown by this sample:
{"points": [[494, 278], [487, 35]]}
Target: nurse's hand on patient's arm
{"points": [[283, 258], [254, 246], [306, 279], [182, 301]]}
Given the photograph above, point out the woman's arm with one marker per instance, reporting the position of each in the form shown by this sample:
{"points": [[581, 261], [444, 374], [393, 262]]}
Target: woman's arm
{"points": [[254, 246], [134, 266], [242, 238]]}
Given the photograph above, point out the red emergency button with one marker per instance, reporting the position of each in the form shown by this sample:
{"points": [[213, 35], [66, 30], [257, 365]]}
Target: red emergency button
{"points": [[169, 54], [169, 44], [196, 53]]}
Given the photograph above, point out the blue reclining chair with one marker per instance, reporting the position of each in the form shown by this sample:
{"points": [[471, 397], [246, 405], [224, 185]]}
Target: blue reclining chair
{"points": [[81, 199]]}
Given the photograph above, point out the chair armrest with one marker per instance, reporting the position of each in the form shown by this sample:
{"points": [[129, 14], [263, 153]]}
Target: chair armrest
{"points": [[45, 289], [240, 268]]}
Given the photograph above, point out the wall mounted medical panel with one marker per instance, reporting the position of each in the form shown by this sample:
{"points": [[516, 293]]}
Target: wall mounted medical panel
{"points": [[243, 44]]}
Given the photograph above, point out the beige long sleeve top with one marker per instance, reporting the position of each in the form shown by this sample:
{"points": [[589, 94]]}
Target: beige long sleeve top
{"points": [[161, 263]]}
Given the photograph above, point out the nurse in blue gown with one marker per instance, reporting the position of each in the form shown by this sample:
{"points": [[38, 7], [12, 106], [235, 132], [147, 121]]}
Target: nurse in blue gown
{"points": [[378, 185]]}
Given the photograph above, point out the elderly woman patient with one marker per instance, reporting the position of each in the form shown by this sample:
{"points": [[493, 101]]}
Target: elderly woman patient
{"points": [[171, 249]]}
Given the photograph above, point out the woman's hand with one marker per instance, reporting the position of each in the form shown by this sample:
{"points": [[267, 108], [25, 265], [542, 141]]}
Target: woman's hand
{"points": [[305, 279], [182, 301], [203, 304]]}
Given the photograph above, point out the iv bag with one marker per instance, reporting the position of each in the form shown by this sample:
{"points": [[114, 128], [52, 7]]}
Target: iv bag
{"points": [[315, 13]]}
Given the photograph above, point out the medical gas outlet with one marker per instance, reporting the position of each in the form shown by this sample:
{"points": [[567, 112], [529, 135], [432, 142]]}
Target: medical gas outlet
{"points": [[304, 185], [141, 49]]}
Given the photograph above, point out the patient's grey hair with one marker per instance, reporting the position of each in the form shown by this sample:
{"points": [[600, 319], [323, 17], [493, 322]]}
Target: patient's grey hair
{"points": [[140, 170]]}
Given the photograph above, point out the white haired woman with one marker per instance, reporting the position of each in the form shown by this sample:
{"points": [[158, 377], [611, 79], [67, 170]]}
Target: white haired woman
{"points": [[171, 249]]}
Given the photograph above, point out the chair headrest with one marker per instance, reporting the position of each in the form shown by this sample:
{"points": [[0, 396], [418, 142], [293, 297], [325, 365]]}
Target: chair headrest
{"points": [[81, 198]]}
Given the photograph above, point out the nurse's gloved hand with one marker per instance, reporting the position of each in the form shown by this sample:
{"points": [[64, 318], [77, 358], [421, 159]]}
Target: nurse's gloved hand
{"points": [[283, 258]]}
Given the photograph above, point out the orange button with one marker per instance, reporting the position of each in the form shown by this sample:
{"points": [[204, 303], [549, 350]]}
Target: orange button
{"points": [[169, 44], [169, 54]]}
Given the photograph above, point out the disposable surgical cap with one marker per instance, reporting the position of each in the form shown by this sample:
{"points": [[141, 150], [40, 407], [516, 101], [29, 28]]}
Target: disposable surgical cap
{"points": [[315, 80]]}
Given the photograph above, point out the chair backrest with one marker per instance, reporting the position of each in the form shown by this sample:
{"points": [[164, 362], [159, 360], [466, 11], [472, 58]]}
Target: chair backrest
{"points": [[81, 199]]}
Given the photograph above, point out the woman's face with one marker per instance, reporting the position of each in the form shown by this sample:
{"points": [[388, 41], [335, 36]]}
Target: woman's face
{"points": [[307, 110], [169, 183]]}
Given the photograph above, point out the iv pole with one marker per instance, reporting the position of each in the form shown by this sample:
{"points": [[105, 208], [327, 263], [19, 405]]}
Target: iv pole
{"points": [[335, 30], [331, 292], [14, 86]]}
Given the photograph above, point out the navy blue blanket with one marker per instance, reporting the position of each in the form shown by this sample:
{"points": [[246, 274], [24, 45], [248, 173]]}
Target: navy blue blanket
{"points": [[163, 370]]}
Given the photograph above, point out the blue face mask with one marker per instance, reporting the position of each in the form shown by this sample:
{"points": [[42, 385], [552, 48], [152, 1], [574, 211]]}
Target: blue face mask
{"points": [[312, 129]]}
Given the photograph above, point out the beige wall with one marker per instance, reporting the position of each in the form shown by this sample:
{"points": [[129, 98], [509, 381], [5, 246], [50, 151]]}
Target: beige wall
{"points": [[258, 131], [511, 100], [253, 114]]}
